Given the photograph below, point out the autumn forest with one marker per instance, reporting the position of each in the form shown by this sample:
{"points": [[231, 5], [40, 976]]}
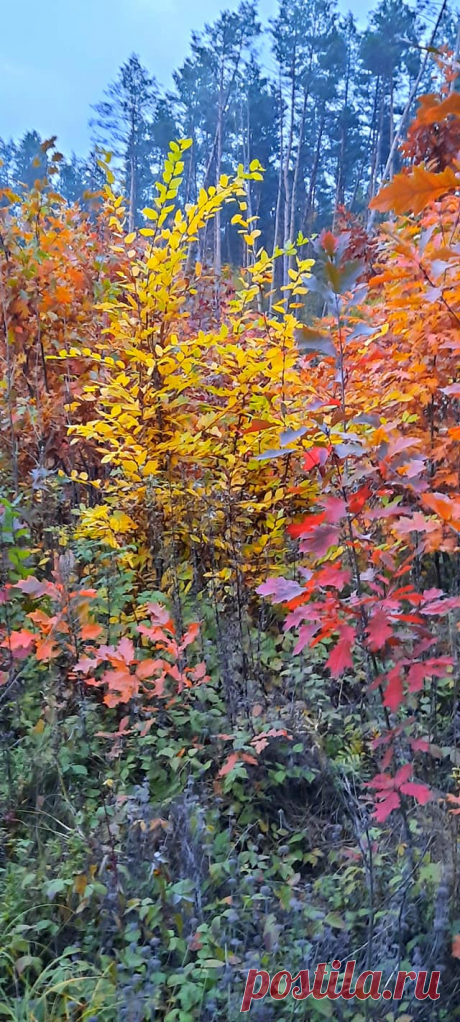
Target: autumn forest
{"points": [[230, 531]]}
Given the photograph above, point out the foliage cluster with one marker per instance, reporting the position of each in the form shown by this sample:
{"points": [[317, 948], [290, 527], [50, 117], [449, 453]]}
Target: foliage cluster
{"points": [[229, 600]]}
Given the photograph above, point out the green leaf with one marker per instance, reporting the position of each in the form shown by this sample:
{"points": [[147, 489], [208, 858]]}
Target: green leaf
{"points": [[323, 1008], [55, 887], [333, 919], [26, 962]]}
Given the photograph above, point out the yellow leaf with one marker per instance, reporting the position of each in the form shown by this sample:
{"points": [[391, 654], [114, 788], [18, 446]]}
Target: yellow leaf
{"points": [[80, 882]]}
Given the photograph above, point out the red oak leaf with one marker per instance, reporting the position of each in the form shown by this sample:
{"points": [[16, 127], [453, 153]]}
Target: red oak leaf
{"points": [[379, 630], [341, 656], [306, 632], [282, 590], [33, 587], [125, 650], [161, 616], [436, 667], [420, 792], [394, 693], [314, 457], [386, 806], [335, 508], [321, 540], [307, 525], [357, 500], [330, 575]]}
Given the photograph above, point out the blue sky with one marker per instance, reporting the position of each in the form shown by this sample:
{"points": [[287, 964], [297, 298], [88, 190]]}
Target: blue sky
{"points": [[57, 56]]}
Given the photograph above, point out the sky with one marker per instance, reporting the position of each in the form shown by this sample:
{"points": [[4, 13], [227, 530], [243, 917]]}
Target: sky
{"points": [[57, 56]]}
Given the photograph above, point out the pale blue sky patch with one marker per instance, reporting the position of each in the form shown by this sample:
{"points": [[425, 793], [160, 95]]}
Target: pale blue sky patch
{"points": [[57, 57]]}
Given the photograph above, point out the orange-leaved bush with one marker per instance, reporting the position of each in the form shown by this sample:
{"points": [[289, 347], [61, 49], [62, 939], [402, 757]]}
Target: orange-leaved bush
{"points": [[380, 543]]}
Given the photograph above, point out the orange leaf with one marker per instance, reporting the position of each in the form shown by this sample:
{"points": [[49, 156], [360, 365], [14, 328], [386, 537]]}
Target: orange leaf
{"points": [[456, 801], [232, 760], [411, 193], [91, 631], [122, 686], [328, 242], [47, 650], [257, 425], [439, 503], [260, 743], [19, 642], [432, 111]]}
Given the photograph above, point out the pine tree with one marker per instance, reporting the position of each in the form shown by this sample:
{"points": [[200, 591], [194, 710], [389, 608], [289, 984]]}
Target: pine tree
{"points": [[390, 54], [72, 181], [208, 87], [301, 38], [122, 125], [30, 162], [7, 154]]}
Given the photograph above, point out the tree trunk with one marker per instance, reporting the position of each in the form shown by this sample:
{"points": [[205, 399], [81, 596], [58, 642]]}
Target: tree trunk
{"points": [[296, 170], [392, 151], [217, 221], [313, 178], [246, 159], [132, 194], [377, 143], [132, 171], [278, 197], [287, 188], [340, 190], [456, 57], [357, 184]]}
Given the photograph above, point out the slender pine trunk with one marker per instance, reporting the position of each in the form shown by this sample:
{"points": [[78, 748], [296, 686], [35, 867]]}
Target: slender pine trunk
{"points": [[278, 197], [313, 179], [295, 180], [287, 186]]}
